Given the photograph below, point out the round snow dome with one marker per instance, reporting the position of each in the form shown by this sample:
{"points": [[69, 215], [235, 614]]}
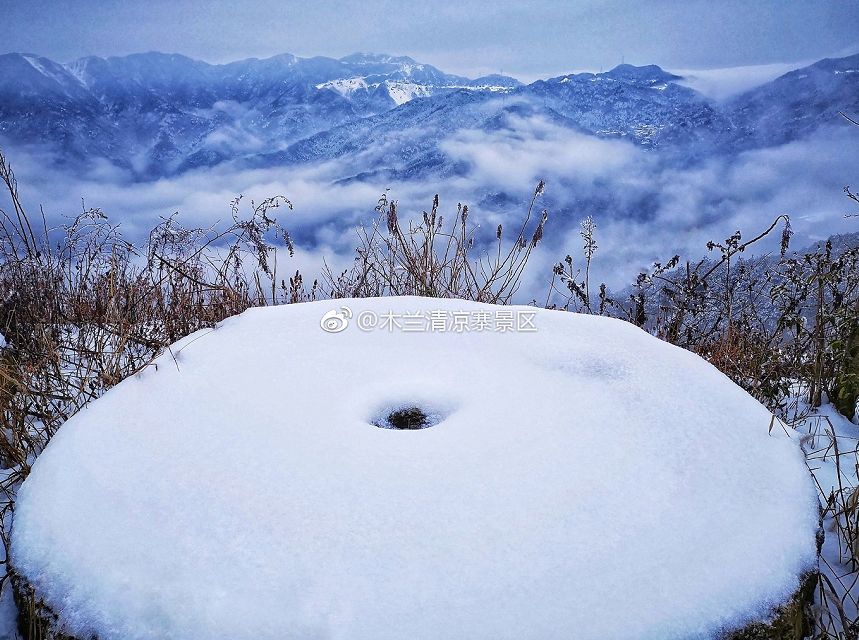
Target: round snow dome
{"points": [[417, 468]]}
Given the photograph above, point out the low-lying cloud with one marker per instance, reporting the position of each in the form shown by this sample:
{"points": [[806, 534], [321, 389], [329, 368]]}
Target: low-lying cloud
{"points": [[646, 207], [721, 84]]}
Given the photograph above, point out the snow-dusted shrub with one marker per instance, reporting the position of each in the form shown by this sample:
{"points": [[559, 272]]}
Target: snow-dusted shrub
{"points": [[427, 257]]}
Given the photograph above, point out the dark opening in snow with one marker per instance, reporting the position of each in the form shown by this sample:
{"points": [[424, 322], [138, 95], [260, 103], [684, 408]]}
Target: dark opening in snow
{"points": [[408, 417], [411, 418]]}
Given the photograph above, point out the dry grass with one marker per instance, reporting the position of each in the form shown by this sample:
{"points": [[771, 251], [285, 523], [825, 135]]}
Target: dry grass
{"points": [[429, 258], [837, 595]]}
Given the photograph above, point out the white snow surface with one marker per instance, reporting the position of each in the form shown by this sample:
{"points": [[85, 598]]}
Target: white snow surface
{"points": [[344, 86], [403, 92], [585, 480]]}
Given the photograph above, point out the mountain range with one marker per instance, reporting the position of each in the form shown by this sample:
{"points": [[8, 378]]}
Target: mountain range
{"points": [[155, 115]]}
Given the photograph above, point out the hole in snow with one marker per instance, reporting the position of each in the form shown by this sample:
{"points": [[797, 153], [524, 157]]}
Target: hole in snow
{"points": [[407, 417]]}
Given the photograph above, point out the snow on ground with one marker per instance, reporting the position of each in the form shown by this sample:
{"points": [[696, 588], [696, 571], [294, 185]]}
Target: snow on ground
{"points": [[832, 447], [583, 480], [8, 615], [8, 610]]}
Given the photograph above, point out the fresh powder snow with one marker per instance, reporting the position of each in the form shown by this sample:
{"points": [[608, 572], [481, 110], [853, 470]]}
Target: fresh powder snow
{"points": [[576, 477]]}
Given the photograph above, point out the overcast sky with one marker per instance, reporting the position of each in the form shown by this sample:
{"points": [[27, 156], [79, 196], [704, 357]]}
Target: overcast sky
{"points": [[526, 39]]}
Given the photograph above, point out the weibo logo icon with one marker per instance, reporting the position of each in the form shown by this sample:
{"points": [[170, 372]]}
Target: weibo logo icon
{"points": [[336, 320]]}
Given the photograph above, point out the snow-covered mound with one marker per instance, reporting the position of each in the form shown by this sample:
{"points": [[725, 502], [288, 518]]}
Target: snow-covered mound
{"points": [[581, 480]]}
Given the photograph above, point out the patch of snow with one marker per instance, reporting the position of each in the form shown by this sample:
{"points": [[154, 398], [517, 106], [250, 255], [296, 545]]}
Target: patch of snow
{"points": [[584, 480], [8, 614], [2, 341], [344, 86], [77, 71], [832, 445], [409, 69], [8, 608], [487, 87], [402, 92], [38, 66]]}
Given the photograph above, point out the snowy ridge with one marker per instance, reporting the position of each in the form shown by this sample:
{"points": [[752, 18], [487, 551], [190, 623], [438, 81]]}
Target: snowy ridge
{"points": [[36, 63], [401, 91], [344, 86], [165, 98]]}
